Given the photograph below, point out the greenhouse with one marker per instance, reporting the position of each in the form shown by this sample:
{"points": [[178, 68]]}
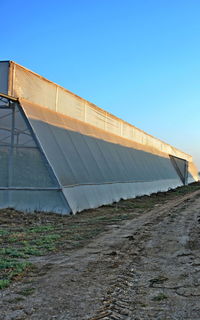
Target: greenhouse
{"points": [[60, 153]]}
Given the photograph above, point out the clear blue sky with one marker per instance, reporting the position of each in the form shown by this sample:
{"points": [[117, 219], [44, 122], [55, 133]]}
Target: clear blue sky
{"points": [[139, 60]]}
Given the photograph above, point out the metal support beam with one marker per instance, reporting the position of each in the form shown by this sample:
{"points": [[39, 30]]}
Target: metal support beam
{"points": [[31, 188], [18, 146], [9, 98], [10, 156], [186, 174]]}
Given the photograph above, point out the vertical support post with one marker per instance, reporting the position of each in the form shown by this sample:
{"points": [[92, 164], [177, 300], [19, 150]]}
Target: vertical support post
{"points": [[10, 156], [186, 173], [13, 79]]}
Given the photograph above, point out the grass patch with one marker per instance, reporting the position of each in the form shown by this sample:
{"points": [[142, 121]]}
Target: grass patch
{"points": [[4, 283], [32, 251], [13, 266], [23, 252], [3, 232], [18, 246], [24, 235], [11, 269], [46, 240], [39, 229], [15, 253]]}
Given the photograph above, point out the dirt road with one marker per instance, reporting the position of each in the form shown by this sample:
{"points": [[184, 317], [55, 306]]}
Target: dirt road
{"points": [[145, 268]]}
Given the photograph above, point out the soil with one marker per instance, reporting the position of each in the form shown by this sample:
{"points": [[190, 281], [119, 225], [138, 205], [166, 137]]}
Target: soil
{"points": [[145, 268]]}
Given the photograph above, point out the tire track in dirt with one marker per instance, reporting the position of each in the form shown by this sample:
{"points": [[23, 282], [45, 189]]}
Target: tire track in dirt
{"points": [[162, 280], [146, 268]]}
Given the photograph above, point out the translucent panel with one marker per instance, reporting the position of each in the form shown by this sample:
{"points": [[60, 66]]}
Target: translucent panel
{"points": [[29, 169], [39, 90], [4, 151], [23, 136], [72, 160], [5, 126], [103, 169], [5, 136], [112, 160], [126, 130], [88, 164], [5, 118], [181, 163], [192, 169], [29, 86], [92, 196], [4, 68], [180, 166], [95, 116], [81, 159], [34, 200], [54, 151], [97, 157], [70, 104], [122, 163], [113, 124], [26, 167]]}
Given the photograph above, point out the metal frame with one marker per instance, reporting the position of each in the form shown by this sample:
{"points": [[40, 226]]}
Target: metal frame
{"points": [[184, 178], [31, 188], [10, 103], [17, 131], [10, 157], [6, 98]]}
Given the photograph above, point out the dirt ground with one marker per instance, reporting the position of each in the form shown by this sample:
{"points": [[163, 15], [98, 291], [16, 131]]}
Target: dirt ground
{"points": [[144, 264]]}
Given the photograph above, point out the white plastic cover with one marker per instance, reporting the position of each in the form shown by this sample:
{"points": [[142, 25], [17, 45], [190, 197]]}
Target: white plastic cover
{"points": [[38, 90], [4, 74], [63, 141], [95, 167], [26, 180]]}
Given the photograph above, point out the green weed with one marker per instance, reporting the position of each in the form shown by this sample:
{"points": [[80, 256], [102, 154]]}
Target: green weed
{"points": [[39, 229], [32, 251], [38, 234], [4, 283], [3, 232], [15, 253], [48, 239]]}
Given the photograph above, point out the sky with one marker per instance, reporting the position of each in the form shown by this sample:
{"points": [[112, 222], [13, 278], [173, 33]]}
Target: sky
{"points": [[139, 60]]}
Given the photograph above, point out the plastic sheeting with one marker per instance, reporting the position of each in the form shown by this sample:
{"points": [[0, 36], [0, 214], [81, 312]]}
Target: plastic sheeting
{"points": [[69, 155], [181, 167], [4, 74], [91, 196], [95, 167], [28, 85], [26, 180], [34, 200]]}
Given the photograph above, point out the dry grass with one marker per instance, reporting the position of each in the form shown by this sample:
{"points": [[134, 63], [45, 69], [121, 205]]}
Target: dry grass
{"points": [[23, 235]]}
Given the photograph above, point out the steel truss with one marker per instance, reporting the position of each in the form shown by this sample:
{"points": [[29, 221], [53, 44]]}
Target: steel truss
{"points": [[11, 104]]}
